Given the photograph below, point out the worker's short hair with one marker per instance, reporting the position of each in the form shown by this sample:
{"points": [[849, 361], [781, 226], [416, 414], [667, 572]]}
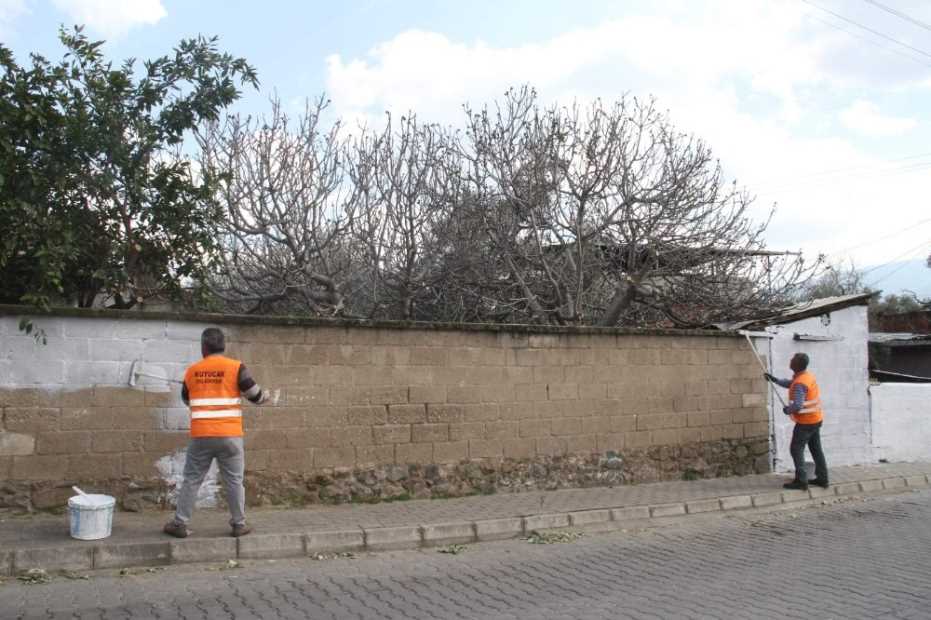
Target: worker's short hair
{"points": [[802, 360], [212, 340]]}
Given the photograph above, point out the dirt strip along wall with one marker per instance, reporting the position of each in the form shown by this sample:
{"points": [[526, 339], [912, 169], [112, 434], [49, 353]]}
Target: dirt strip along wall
{"points": [[373, 411]]}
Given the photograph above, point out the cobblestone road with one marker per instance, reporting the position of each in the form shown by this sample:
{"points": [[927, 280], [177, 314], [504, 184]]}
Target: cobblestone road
{"points": [[858, 559]]}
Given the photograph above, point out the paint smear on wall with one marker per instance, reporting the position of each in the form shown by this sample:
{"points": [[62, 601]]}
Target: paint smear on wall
{"points": [[171, 470]]}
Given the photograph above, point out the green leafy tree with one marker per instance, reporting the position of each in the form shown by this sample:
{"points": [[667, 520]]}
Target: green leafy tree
{"points": [[846, 279], [899, 304], [96, 196]]}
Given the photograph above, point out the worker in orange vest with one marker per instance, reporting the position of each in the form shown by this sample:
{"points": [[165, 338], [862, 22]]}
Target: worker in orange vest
{"points": [[212, 389], [805, 409]]}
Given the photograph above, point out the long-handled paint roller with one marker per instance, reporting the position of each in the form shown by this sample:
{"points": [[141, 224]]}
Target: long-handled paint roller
{"points": [[135, 373], [756, 355]]}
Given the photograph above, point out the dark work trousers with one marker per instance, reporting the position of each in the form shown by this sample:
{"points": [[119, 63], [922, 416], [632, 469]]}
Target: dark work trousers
{"points": [[808, 435]]}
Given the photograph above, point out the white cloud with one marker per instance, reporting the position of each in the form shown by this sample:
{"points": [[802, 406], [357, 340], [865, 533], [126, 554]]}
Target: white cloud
{"points": [[831, 194], [113, 18], [10, 10], [865, 117], [429, 72]]}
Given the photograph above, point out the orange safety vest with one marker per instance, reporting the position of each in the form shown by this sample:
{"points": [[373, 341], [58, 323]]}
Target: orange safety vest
{"points": [[213, 394], [810, 413]]}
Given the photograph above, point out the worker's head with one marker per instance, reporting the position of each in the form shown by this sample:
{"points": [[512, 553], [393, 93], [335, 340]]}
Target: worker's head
{"points": [[212, 341], [799, 362]]}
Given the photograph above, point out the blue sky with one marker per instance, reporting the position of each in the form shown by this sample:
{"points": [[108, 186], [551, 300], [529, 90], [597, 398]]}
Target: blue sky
{"points": [[289, 41], [814, 113]]}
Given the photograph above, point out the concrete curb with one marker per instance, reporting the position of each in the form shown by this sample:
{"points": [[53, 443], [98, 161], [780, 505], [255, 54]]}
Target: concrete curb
{"points": [[297, 544]]}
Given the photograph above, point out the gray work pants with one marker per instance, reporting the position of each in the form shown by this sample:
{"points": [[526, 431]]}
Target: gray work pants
{"points": [[230, 457]]}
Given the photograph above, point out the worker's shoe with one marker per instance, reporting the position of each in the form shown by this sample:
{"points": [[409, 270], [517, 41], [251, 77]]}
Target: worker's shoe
{"points": [[796, 485], [818, 482], [176, 529], [240, 530]]}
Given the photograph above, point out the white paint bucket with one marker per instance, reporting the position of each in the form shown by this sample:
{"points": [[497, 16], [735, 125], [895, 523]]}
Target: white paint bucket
{"points": [[91, 516]]}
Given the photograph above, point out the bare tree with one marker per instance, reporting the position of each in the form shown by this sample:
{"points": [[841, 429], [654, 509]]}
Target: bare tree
{"points": [[288, 208], [401, 175], [607, 215], [596, 214], [511, 178]]}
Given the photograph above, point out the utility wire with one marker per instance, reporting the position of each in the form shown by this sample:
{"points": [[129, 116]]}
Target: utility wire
{"points": [[771, 180], [868, 29], [876, 174], [902, 255], [884, 237], [827, 177], [891, 273], [888, 275], [872, 42], [899, 14], [830, 267]]}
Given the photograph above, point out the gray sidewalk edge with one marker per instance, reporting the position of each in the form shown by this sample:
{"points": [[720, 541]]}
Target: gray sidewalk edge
{"points": [[102, 555]]}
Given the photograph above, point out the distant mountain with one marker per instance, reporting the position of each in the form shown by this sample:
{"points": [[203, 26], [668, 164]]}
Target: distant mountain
{"points": [[911, 275]]}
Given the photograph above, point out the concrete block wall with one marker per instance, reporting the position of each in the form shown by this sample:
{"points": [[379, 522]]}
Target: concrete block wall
{"points": [[355, 396]]}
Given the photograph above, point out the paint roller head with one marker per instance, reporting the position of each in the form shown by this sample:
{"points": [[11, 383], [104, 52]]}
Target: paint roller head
{"points": [[752, 334], [137, 370]]}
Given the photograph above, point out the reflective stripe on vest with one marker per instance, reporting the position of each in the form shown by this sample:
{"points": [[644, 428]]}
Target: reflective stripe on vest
{"points": [[213, 393], [204, 402], [810, 406], [222, 413], [811, 412]]}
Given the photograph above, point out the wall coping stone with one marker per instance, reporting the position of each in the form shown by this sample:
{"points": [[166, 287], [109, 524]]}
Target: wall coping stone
{"points": [[299, 321]]}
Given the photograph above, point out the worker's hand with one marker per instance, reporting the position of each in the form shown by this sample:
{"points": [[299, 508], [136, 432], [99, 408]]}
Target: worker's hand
{"points": [[769, 377], [785, 410], [263, 398]]}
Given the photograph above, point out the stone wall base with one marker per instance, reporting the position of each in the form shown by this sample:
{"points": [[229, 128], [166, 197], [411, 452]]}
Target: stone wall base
{"points": [[716, 459]]}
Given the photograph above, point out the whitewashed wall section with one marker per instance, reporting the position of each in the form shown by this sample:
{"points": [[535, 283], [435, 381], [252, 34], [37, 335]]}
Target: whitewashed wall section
{"points": [[840, 364], [902, 421], [80, 353]]}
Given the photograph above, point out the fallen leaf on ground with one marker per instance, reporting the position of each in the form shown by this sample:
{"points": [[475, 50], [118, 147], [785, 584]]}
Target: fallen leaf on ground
{"points": [[348, 555], [550, 538], [452, 549], [35, 576]]}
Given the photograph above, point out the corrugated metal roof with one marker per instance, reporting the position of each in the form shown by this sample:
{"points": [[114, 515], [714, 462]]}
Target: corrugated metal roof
{"points": [[803, 310], [899, 339]]}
